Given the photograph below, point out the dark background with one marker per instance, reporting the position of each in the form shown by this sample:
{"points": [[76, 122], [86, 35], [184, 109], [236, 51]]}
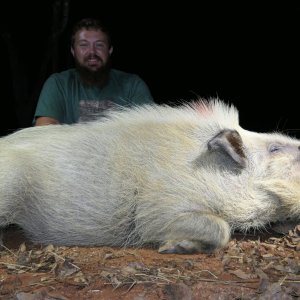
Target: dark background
{"points": [[242, 52]]}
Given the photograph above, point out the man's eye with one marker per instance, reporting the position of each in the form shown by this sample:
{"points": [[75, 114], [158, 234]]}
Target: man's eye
{"points": [[100, 45]]}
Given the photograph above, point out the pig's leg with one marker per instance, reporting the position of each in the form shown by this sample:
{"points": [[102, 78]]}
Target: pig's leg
{"points": [[195, 232], [11, 189]]}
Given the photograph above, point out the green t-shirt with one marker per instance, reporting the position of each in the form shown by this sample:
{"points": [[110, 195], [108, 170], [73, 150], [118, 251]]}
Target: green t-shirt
{"points": [[64, 98]]}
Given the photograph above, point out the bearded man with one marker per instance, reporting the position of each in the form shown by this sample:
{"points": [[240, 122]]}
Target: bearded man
{"points": [[85, 92]]}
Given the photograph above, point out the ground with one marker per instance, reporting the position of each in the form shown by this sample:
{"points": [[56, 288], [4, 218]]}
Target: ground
{"points": [[250, 267]]}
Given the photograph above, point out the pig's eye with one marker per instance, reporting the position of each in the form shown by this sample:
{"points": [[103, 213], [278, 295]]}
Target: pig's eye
{"points": [[274, 148]]}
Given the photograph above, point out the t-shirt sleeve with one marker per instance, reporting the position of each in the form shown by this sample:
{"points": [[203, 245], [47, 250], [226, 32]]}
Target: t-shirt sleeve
{"points": [[51, 100], [140, 92]]}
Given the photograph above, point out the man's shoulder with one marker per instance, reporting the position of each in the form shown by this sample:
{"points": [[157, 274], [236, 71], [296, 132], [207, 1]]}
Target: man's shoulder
{"points": [[64, 75], [121, 75]]}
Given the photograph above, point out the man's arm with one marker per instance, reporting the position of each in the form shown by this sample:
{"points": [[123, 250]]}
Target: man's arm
{"points": [[49, 108], [140, 92], [40, 121]]}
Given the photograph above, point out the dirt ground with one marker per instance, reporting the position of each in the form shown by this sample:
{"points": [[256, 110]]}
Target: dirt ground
{"points": [[249, 267]]}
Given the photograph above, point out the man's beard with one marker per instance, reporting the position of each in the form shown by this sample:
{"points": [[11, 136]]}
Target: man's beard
{"points": [[93, 78]]}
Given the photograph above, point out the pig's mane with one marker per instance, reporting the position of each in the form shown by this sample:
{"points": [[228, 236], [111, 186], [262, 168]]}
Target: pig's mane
{"points": [[211, 112], [216, 111]]}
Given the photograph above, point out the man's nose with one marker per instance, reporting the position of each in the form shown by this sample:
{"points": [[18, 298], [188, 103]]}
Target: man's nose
{"points": [[92, 49]]}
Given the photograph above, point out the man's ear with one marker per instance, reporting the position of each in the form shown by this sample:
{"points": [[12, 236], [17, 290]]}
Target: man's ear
{"points": [[72, 51], [111, 49]]}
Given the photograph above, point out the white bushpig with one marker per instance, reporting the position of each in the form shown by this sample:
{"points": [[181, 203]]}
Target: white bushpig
{"points": [[182, 178]]}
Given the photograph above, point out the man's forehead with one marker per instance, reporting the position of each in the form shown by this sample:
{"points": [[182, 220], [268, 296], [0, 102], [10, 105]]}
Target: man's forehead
{"points": [[88, 34]]}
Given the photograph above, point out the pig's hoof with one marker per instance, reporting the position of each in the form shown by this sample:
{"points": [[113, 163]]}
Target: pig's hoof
{"points": [[185, 247]]}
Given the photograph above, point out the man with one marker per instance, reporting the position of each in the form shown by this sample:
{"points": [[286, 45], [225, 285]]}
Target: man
{"points": [[86, 91]]}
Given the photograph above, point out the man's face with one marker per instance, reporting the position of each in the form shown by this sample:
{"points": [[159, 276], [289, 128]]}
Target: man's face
{"points": [[91, 49]]}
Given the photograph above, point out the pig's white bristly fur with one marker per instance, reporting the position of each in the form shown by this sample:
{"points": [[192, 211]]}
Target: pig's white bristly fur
{"points": [[147, 175]]}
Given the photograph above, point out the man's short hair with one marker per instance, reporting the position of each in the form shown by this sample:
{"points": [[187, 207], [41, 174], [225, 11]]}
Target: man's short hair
{"points": [[90, 23]]}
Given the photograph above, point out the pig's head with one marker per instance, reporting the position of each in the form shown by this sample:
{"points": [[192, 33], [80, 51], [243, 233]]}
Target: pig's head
{"points": [[271, 160]]}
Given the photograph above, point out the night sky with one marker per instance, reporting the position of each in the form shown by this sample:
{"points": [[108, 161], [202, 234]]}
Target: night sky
{"points": [[246, 54]]}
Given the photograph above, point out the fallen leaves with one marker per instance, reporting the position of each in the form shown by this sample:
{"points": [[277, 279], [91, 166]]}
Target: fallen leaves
{"points": [[248, 268]]}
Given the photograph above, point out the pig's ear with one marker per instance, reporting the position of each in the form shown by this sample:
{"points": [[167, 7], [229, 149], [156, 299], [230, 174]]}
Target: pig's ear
{"points": [[229, 142]]}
